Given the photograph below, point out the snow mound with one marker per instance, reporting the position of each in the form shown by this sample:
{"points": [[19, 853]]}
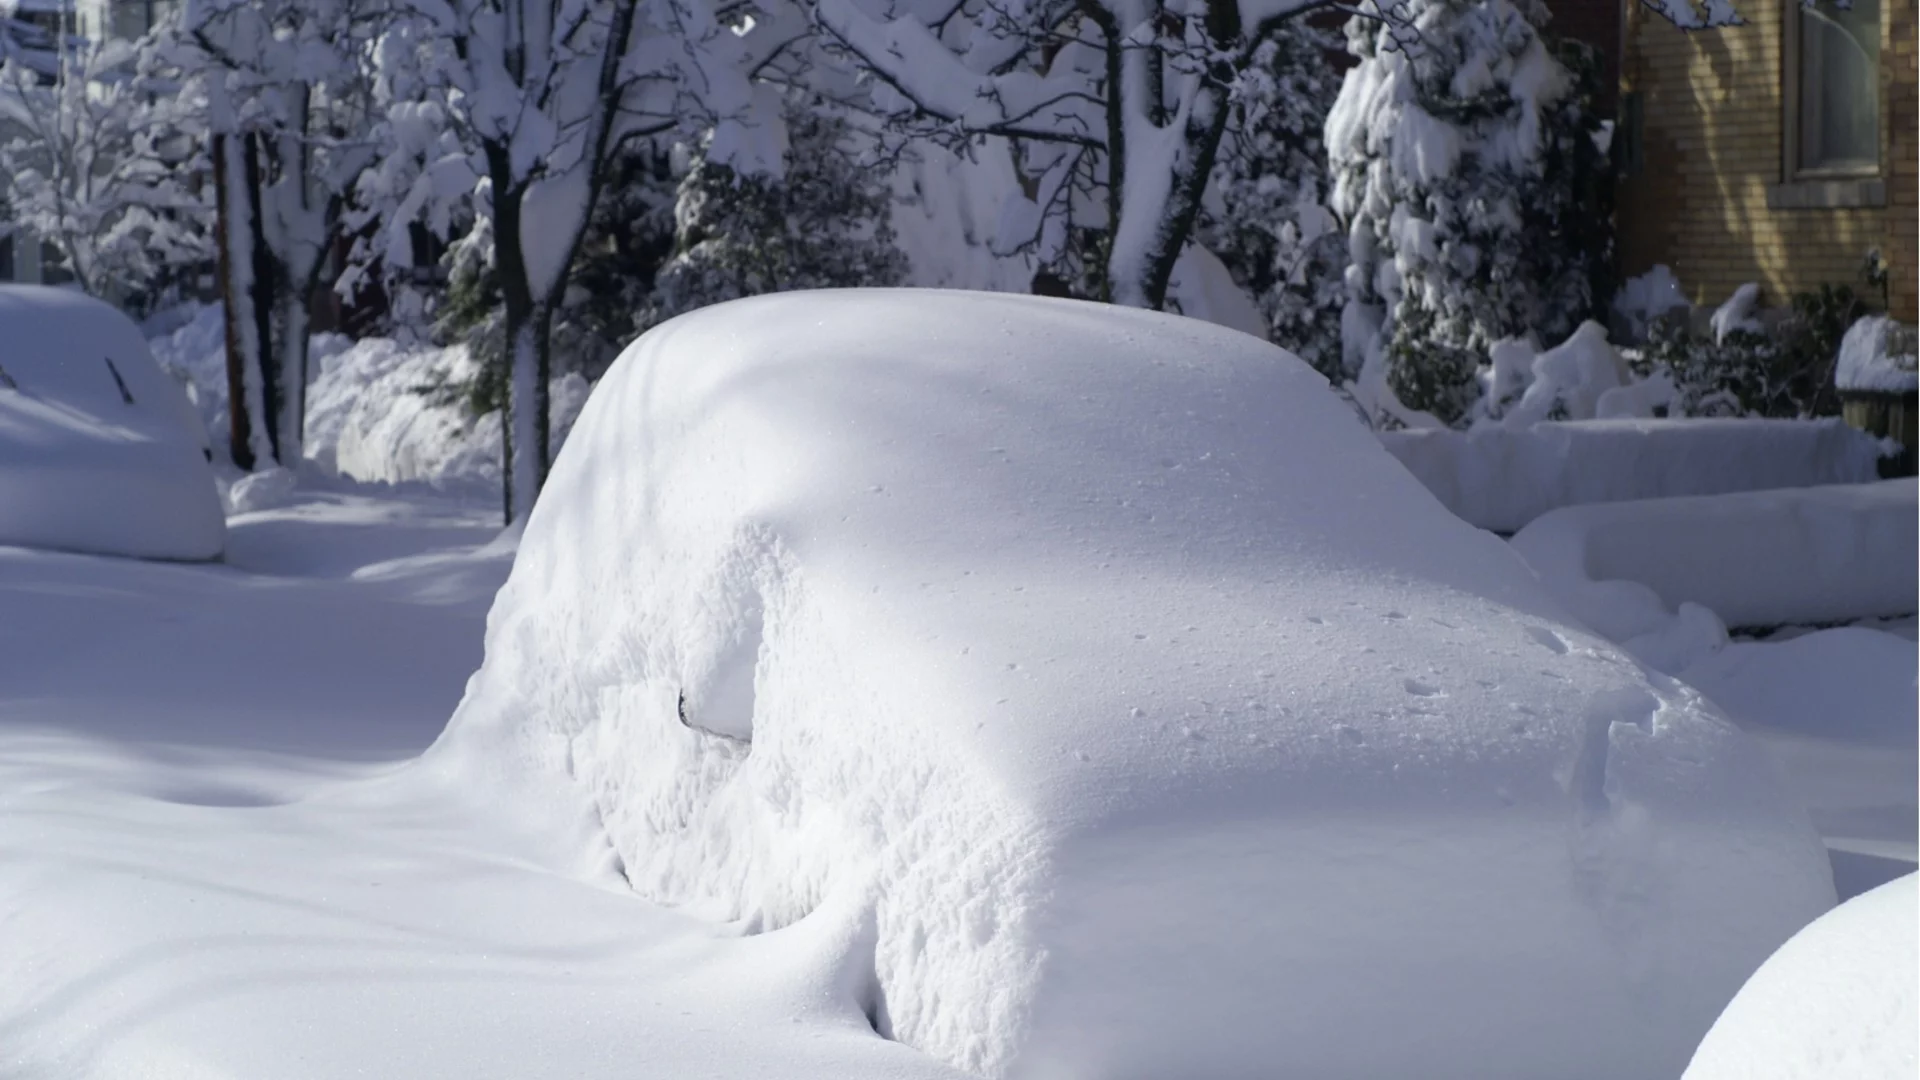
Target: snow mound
{"points": [[1877, 355], [1756, 558], [1500, 478], [1158, 722], [1839, 1000], [100, 450], [1568, 380]]}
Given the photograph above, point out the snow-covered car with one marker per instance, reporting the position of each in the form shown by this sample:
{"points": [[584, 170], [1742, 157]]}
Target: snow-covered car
{"points": [[1129, 708], [100, 450]]}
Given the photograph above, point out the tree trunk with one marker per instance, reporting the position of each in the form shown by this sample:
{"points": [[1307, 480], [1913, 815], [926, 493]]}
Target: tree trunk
{"points": [[290, 346], [247, 273], [529, 341], [239, 446]]}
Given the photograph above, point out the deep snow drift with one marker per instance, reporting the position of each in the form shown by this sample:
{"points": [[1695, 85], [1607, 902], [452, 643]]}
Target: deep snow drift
{"points": [[1500, 477], [1666, 577], [1153, 719], [1842, 999], [99, 449]]}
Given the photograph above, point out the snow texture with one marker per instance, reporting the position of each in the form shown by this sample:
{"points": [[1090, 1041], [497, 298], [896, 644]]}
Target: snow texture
{"points": [[1836, 708], [1877, 356], [1500, 478], [1757, 558], [1020, 628], [100, 450], [1842, 999]]}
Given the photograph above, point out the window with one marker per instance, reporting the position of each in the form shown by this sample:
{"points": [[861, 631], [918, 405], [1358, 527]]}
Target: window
{"points": [[1838, 113]]}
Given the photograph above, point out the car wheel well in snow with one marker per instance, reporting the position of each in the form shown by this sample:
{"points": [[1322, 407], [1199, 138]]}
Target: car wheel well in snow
{"points": [[687, 722]]}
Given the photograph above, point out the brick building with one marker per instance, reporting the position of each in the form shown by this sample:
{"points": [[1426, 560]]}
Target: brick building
{"points": [[1779, 151]]}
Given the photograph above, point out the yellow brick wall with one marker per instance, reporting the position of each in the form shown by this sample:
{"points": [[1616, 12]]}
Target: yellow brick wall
{"points": [[1711, 148]]}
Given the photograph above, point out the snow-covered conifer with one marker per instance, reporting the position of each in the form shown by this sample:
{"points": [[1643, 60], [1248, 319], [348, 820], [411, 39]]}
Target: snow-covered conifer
{"points": [[1265, 215], [825, 223], [1471, 171]]}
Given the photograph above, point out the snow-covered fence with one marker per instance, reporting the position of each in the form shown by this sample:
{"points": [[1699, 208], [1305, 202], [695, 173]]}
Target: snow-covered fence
{"points": [[1502, 478]]}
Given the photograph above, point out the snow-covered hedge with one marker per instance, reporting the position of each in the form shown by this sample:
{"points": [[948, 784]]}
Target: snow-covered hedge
{"points": [[1839, 1000], [1157, 723], [1756, 558], [1500, 478], [100, 450]]}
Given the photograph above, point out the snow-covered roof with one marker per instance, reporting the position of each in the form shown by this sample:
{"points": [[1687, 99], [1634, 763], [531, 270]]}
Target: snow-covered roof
{"points": [[100, 450], [1150, 717], [1878, 355]]}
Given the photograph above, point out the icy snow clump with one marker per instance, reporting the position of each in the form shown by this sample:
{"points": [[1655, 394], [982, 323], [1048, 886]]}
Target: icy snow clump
{"points": [[1160, 723], [100, 450], [1839, 1000]]}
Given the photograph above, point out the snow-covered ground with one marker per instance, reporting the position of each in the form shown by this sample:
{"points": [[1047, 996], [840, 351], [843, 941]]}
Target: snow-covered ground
{"points": [[207, 868]]}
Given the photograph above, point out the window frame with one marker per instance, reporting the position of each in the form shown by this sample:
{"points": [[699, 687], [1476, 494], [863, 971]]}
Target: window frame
{"points": [[1827, 185]]}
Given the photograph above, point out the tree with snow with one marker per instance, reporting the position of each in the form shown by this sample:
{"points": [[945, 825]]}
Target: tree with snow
{"points": [[1119, 107], [542, 96], [92, 162], [1470, 170], [825, 223], [1264, 215], [286, 98]]}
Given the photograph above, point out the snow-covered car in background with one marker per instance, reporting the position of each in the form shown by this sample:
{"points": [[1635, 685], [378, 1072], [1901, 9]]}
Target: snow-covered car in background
{"points": [[1137, 713], [100, 450]]}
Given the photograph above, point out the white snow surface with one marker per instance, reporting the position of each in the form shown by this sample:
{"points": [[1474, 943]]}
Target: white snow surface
{"points": [[1500, 478], [1878, 355], [1570, 379], [1836, 708], [211, 866], [1147, 718], [1755, 559], [100, 450], [1842, 999]]}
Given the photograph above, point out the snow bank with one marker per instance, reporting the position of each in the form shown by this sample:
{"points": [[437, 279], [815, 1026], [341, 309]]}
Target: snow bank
{"points": [[1159, 725], [100, 450], [1839, 1000], [1877, 355], [1756, 558], [1500, 478]]}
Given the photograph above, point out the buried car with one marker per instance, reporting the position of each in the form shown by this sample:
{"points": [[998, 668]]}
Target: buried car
{"points": [[100, 450], [1146, 716]]}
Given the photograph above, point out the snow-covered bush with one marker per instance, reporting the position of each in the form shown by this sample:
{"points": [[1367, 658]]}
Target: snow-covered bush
{"points": [[825, 222], [1012, 634], [1469, 169], [1743, 367], [1265, 215]]}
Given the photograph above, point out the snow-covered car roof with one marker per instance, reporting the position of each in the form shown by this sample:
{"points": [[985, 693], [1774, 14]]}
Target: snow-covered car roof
{"points": [[100, 450], [1151, 718]]}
